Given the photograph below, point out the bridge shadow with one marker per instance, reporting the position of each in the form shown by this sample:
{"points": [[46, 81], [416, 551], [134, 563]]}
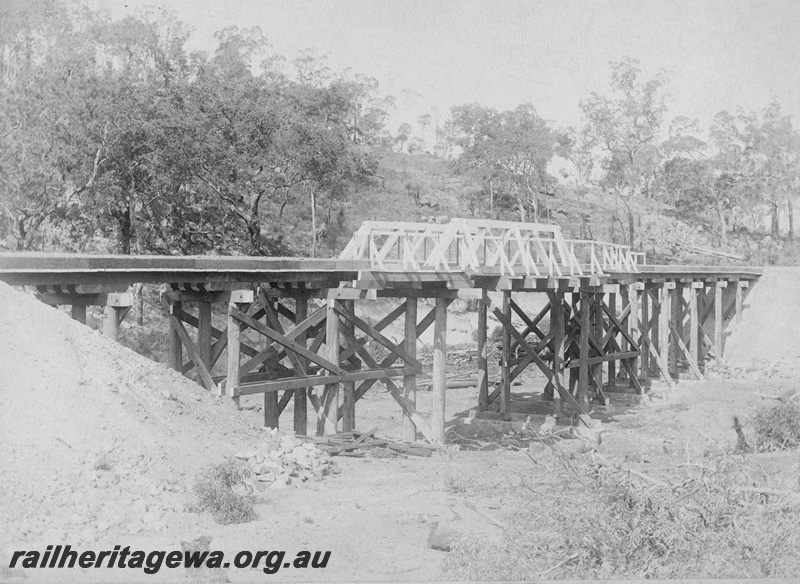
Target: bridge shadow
{"points": [[530, 418]]}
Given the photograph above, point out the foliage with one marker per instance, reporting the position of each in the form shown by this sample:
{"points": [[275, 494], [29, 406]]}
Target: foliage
{"points": [[115, 129], [494, 341], [510, 151], [214, 490], [114, 132], [625, 130], [777, 425], [749, 163]]}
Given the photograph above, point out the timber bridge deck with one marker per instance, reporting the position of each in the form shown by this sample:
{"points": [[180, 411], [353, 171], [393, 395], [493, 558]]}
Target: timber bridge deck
{"points": [[614, 322]]}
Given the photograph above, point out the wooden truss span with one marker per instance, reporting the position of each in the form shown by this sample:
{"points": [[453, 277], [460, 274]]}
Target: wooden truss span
{"points": [[480, 246]]}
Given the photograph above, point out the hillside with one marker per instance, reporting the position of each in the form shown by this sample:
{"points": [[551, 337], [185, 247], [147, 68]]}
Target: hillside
{"points": [[422, 187]]}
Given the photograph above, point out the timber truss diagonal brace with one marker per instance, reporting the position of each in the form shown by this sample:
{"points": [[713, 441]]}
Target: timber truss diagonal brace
{"points": [[330, 373], [177, 317], [533, 355]]}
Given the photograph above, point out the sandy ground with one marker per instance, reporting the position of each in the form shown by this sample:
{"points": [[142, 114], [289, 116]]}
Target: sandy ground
{"points": [[101, 447]]}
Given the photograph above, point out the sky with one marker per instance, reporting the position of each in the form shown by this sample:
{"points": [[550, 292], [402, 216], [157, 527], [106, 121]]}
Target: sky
{"points": [[433, 54]]}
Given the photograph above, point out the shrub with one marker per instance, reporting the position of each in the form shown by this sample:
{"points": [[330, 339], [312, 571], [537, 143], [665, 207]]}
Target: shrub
{"points": [[494, 339], [494, 342], [777, 425], [214, 490]]}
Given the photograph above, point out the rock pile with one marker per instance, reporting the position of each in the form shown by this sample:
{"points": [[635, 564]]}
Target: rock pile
{"points": [[754, 371], [283, 460]]}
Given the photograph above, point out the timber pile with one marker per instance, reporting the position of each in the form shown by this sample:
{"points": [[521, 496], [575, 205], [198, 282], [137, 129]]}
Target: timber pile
{"points": [[355, 443], [284, 460]]}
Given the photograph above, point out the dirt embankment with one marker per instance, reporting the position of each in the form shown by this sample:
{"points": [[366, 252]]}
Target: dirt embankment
{"points": [[96, 442]]}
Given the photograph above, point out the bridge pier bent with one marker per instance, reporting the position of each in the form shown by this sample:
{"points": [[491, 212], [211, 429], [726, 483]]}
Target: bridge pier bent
{"points": [[288, 329]]}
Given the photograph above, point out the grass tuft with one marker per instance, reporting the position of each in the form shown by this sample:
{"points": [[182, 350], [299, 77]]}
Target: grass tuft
{"points": [[777, 425], [214, 490]]}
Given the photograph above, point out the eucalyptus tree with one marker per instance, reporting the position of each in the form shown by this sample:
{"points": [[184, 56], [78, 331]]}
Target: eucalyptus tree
{"points": [[775, 156], [510, 150], [114, 128], [48, 156], [625, 127]]}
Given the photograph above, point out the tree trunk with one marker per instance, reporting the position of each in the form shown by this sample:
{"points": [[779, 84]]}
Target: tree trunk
{"points": [[790, 209], [775, 226], [491, 200], [254, 226], [22, 234], [313, 224], [139, 293], [723, 229], [125, 229], [135, 244], [631, 228]]}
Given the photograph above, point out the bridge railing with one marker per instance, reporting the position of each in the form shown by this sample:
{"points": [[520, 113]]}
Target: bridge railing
{"points": [[605, 257], [502, 247]]}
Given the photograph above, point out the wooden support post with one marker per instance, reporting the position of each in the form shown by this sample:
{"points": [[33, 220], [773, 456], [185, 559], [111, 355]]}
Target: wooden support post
{"points": [[349, 387], [598, 333], [612, 365], [330, 396], [663, 323], [272, 411], [204, 339], [627, 322], [557, 322], [439, 370], [410, 381], [644, 370], [718, 340], [676, 314], [175, 346], [505, 390], [694, 324], [739, 302], [234, 353], [111, 323], [78, 313], [583, 367], [655, 327], [633, 329], [300, 416], [483, 361], [115, 309], [553, 299]]}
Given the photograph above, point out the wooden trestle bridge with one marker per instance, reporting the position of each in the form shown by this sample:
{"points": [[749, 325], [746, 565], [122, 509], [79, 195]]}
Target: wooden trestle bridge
{"points": [[614, 322]]}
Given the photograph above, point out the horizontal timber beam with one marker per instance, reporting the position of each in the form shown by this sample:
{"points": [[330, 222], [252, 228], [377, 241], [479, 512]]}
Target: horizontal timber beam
{"points": [[312, 381]]}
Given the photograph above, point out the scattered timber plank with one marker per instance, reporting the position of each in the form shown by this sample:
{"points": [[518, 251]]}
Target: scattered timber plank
{"points": [[408, 449]]}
